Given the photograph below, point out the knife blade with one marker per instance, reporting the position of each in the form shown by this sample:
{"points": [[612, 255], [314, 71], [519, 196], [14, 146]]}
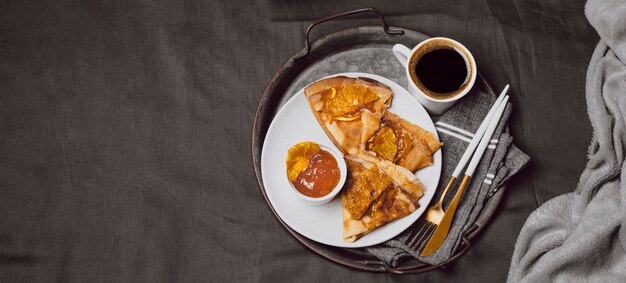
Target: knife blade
{"points": [[443, 228]]}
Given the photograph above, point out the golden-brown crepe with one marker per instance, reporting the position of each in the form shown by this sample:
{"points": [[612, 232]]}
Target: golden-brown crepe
{"points": [[401, 142], [377, 192], [343, 105], [365, 184]]}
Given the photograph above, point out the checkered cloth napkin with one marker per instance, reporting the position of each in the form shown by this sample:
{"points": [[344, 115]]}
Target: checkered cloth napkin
{"points": [[501, 160]]}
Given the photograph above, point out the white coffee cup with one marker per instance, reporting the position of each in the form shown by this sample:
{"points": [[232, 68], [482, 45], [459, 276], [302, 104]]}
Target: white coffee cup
{"points": [[408, 58]]}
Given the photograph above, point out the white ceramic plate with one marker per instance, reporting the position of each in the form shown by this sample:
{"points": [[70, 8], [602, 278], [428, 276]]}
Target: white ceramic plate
{"points": [[295, 123]]}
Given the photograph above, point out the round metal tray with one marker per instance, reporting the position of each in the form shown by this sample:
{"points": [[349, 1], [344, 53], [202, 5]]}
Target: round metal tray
{"points": [[363, 49]]}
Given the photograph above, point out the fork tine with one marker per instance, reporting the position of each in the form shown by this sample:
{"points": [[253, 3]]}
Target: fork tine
{"points": [[420, 234], [425, 236], [423, 242], [415, 234], [419, 224]]}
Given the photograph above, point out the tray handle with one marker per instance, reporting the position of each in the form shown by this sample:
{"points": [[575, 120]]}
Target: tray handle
{"points": [[383, 23]]}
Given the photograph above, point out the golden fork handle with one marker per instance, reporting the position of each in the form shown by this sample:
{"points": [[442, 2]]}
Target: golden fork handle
{"points": [[445, 191]]}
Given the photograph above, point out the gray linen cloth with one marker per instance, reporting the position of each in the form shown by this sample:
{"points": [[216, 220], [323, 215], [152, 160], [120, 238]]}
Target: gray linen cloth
{"points": [[501, 160], [580, 236]]}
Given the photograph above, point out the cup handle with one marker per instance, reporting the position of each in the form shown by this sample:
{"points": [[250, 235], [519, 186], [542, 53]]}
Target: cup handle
{"points": [[403, 53]]}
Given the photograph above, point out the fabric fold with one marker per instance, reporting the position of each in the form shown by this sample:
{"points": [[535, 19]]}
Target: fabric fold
{"points": [[580, 236]]}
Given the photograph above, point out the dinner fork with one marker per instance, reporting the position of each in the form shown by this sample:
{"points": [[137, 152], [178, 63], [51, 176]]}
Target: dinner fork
{"points": [[434, 214], [418, 238]]}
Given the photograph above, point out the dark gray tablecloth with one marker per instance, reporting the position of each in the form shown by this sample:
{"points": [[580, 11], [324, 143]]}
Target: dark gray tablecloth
{"points": [[125, 130]]}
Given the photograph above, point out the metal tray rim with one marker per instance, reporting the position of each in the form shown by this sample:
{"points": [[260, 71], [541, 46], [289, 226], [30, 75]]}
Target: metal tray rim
{"points": [[373, 265]]}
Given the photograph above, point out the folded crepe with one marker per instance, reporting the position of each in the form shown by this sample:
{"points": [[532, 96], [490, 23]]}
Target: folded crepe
{"points": [[376, 193], [345, 106], [401, 142]]}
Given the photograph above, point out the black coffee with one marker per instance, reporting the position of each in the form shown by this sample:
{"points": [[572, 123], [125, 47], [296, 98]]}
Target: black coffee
{"points": [[441, 70]]}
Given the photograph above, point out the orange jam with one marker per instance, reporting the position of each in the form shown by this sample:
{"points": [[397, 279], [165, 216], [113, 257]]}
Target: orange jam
{"points": [[312, 171], [320, 177]]}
